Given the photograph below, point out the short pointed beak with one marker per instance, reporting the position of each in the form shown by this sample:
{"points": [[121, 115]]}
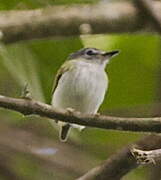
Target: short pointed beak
{"points": [[110, 54]]}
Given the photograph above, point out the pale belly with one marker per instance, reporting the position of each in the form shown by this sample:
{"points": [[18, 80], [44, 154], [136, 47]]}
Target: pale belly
{"points": [[82, 89]]}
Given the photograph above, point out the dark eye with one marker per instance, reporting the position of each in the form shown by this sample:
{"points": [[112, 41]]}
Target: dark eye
{"points": [[91, 52]]}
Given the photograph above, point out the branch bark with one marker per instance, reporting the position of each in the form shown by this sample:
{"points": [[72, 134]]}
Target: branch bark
{"points": [[122, 162], [27, 107], [70, 21], [147, 11]]}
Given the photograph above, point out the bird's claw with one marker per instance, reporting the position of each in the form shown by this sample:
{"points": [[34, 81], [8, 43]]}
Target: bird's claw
{"points": [[97, 114], [70, 111]]}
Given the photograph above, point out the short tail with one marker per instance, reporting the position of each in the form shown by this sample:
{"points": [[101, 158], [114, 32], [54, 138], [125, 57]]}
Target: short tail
{"points": [[64, 132]]}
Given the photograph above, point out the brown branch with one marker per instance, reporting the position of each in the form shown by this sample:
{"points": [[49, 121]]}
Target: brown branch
{"points": [[70, 21], [122, 162], [27, 106], [149, 13]]}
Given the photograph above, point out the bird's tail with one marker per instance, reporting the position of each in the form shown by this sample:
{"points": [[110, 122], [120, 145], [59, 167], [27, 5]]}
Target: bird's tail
{"points": [[63, 135]]}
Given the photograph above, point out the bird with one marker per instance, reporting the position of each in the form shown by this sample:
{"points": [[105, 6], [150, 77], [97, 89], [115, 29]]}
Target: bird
{"points": [[80, 84]]}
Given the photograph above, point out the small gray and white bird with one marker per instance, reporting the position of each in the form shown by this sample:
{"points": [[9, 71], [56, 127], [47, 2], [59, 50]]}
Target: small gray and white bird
{"points": [[81, 84]]}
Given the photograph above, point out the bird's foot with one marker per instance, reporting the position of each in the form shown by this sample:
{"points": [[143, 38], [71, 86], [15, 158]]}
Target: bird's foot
{"points": [[82, 128], [142, 157], [70, 111], [97, 115]]}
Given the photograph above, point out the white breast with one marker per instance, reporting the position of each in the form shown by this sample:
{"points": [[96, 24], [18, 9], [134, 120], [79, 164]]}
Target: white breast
{"points": [[82, 88]]}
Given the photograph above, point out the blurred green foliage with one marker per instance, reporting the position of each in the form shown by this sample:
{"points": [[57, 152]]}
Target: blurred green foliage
{"points": [[30, 4]]}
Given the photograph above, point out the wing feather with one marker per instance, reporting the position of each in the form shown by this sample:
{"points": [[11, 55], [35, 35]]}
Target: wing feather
{"points": [[67, 66]]}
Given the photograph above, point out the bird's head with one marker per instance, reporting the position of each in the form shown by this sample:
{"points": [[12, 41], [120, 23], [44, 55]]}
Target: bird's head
{"points": [[93, 55]]}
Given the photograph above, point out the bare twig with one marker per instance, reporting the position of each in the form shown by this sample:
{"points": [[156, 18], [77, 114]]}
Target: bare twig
{"points": [[26, 92], [27, 106], [122, 162], [70, 21], [149, 13]]}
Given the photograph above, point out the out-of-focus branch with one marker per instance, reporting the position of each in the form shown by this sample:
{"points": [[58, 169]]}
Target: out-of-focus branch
{"points": [[28, 107], [7, 173], [149, 13], [122, 162], [39, 148], [70, 21]]}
